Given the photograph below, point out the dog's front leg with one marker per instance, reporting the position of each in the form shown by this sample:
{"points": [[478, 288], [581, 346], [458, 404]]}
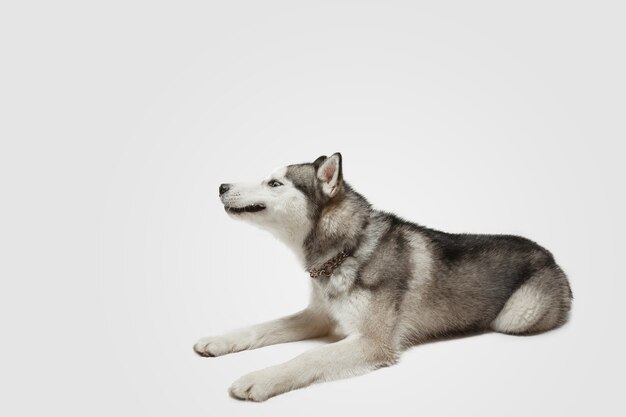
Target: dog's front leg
{"points": [[349, 357], [306, 324]]}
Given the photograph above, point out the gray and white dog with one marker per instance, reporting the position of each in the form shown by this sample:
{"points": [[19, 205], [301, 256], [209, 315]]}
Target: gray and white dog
{"points": [[380, 283]]}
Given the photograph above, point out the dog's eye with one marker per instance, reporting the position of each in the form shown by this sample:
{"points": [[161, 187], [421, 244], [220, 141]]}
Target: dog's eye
{"points": [[274, 183]]}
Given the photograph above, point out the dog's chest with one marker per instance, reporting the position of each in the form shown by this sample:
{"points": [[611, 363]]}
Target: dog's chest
{"points": [[346, 306]]}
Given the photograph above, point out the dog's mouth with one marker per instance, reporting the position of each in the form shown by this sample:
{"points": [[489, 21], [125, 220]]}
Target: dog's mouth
{"points": [[252, 208]]}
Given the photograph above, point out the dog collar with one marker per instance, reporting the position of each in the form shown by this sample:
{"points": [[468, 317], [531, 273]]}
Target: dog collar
{"points": [[329, 266]]}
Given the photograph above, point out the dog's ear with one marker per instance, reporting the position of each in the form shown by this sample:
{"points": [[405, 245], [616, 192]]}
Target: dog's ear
{"points": [[319, 161], [330, 175]]}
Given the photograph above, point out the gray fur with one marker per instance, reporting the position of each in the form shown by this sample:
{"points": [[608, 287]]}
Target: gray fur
{"points": [[402, 284], [471, 276]]}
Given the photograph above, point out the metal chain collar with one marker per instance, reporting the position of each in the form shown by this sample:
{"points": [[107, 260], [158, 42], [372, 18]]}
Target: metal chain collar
{"points": [[330, 265]]}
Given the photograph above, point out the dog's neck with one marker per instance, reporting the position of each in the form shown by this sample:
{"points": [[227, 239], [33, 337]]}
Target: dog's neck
{"points": [[338, 227], [294, 239]]}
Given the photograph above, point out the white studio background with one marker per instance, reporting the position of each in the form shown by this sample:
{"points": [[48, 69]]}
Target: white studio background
{"points": [[118, 121]]}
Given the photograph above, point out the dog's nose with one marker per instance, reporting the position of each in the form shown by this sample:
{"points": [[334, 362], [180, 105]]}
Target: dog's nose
{"points": [[224, 188]]}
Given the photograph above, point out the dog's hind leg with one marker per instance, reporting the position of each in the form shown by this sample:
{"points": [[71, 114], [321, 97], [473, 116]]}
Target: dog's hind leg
{"points": [[306, 324], [542, 303]]}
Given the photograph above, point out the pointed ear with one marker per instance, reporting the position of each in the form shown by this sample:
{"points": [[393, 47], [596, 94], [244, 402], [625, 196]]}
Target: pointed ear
{"points": [[330, 175], [319, 161]]}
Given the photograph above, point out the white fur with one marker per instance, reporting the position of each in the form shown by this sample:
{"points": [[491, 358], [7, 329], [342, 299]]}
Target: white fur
{"points": [[305, 324], [338, 360], [525, 307], [284, 207]]}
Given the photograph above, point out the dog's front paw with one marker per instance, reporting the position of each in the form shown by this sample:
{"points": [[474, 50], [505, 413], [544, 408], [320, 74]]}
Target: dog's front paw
{"points": [[216, 346], [259, 385]]}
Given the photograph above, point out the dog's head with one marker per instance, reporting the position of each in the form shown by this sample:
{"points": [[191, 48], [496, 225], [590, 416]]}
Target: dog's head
{"points": [[288, 201]]}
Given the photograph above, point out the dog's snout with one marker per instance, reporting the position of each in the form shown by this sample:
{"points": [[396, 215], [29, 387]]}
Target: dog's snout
{"points": [[224, 188]]}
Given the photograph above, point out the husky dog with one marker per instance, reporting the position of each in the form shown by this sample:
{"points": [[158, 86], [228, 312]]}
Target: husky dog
{"points": [[379, 282]]}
